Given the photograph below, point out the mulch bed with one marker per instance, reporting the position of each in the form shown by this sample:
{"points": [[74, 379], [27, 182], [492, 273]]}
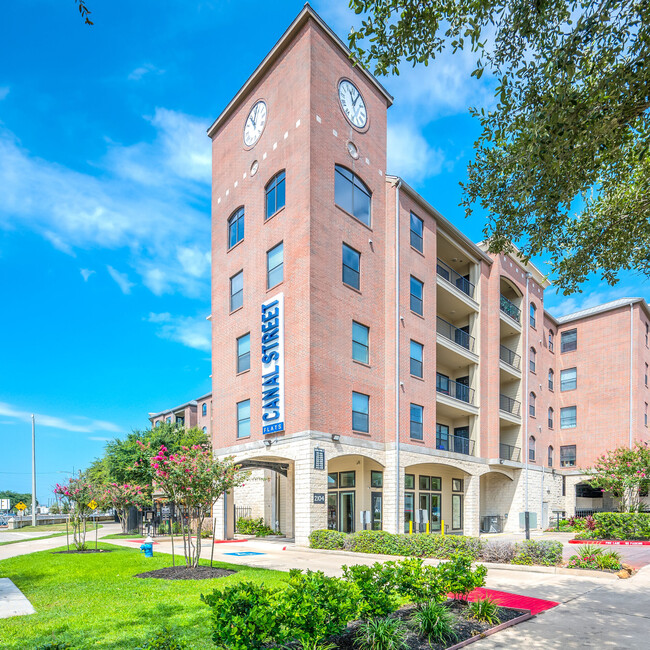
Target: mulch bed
{"points": [[183, 573], [88, 550], [466, 628]]}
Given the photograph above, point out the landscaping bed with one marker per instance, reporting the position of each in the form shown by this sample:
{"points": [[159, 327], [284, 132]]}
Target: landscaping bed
{"points": [[183, 573]]}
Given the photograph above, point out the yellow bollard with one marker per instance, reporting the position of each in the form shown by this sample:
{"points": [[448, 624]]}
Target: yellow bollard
{"points": [[427, 527], [411, 527], [442, 527]]}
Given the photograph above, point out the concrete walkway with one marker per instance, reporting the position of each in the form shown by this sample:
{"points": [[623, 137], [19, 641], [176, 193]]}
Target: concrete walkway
{"points": [[13, 601]]}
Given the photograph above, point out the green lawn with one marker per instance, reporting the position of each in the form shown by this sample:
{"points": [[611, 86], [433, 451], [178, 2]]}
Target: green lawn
{"points": [[31, 529], [50, 528], [93, 601]]}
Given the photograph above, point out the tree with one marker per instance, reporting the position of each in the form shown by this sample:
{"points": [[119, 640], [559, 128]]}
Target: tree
{"points": [[17, 497], [76, 496], [562, 165], [84, 11], [193, 480], [121, 497], [625, 473]]}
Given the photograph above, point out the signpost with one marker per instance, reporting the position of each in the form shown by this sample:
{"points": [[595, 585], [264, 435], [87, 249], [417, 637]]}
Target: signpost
{"points": [[92, 505]]}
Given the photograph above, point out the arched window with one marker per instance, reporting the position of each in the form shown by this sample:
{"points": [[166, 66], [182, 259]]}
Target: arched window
{"points": [[275, 194], [204, 409], [205, 429], [531, 404], [533, 314], [551, 377], [531, 449], [550, 456], [533, 359], [236, 227], [551, 338], [352, 194], [550, 417]]}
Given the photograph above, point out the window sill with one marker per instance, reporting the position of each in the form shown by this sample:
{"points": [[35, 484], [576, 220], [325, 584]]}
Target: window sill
{"points": [[349, 214], [417, 251], [416, 377], [274, 286], [234, 311], [275, 213], [349, 286], [362, 363], [243, 372], [244, 437], [415, 440], [232, 248], [418, 315], [361, 433]]}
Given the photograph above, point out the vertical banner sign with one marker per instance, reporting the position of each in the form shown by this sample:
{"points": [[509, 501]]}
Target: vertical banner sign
{"points": [[273, 365]]}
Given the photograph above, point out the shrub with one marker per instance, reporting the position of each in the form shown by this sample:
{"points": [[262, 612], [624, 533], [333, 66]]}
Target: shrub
{"points": [[376, 585], [417, 582], [485, 610], [245, 616], [436, 623], [164, 639], [500, 552], [622, 525], [257, 527], [327, 539], [381, 634], [457, 577], [591, 556], [544, 552]]}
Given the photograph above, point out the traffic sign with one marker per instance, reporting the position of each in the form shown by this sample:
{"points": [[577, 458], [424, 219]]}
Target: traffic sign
{"points": [[93, 504], [21, 506]]}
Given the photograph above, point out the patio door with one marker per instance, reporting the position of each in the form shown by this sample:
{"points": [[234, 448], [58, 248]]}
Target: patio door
{"points": [[346, 512]]}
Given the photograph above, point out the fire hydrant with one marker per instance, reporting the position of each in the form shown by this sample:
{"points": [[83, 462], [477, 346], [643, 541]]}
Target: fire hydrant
{"points": [[147, 547]]}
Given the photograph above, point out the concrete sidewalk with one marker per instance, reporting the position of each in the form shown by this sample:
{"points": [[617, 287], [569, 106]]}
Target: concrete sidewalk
{"points": [[13, 601]]}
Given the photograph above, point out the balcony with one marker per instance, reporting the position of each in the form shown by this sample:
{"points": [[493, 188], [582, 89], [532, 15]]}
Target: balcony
{"points": [[457, 444], [511, 358], [510, 309], [453, 277], [508, 452], [509, 405], [455, 334], [460, 392]]}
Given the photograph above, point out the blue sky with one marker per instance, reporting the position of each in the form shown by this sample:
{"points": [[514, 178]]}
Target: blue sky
{"points": [[105, 205]]}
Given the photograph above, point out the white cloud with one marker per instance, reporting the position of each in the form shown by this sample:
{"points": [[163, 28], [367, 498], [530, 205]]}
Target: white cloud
{"points": [[73, 423], [4, 91], [559, 305], [194, 332], [99, 438], [410, 155], [142, 70], [122, 280], [86, 273]]}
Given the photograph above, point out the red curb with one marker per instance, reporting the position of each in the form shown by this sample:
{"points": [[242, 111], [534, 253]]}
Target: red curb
{"points": [[612, 542]]}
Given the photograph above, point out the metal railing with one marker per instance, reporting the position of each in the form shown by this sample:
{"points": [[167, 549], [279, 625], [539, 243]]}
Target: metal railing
{"points": [[455, 334], [509, 405], [510, 309], [509, 452], [457, 444], [454, 277], [511, 358], [461, 392]]}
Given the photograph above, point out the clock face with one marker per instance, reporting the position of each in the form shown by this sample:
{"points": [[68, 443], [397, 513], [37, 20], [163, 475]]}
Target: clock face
{"points": [[255, 123], [352, 104]]}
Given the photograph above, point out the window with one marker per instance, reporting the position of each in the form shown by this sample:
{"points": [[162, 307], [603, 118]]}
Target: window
{"points": [[244, 418], [424, 483], [416, 422], [275, 194], [360, 336], [236, 227], [168, 420], [646, 374], [531, 449], [351, 267], [244, 353], [237, 291], [550, 340], [204, 409], [568, 417], [416, 358], [376, 479], [442, 437], [457, 484], [647, 334], [645, 415], [275, 265], [551, 377], [568, 456], [417, 231], [347, 479], [456, 511], [360, 412], [416, 295], [351, 194], [409, 481], [533, 315], [569, 379], [550, 417], [531, 404], [569, 341], [550, 456], [533, 358], [205, 429]]}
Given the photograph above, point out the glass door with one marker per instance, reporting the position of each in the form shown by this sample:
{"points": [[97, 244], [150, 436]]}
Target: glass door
{"points": [[409, 497], [461, 440], [376, 509], [424, 504], [346, 512], [333, 511], [435, 517]]}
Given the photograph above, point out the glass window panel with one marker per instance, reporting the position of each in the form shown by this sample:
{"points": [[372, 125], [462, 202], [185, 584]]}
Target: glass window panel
{"points": [[351, 266], [243, 353], [568, 417], [243, 418], [436, 483], [417, 230], [416, 358], [409, 500], [424, 483], [343, 189], [346, 479], [333, 480], [275, 266], [569, 340], [360, 412], [409, 481], [237, 291], [376, 479], [569, 379], [416, 295], [416, 422], [456, 511], [360, 335], [236, 227]]}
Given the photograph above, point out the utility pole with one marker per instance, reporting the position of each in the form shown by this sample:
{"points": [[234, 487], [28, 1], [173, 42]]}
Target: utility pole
{"points": [[33, 471]]}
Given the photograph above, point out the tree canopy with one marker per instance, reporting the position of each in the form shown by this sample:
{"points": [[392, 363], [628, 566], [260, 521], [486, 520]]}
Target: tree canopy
{"points": [[562, 165]]}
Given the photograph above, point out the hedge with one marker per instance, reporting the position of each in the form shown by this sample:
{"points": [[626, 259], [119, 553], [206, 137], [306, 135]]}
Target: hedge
{"points": [[621, 525], [435, 546]]}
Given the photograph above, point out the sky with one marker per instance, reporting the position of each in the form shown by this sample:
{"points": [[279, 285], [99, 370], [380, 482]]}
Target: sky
{"points": [[105, 205]]}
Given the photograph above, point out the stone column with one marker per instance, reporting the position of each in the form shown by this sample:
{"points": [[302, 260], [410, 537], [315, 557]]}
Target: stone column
{"points": [[472, 505], [224, 525], [391, 520], [308, 481]]}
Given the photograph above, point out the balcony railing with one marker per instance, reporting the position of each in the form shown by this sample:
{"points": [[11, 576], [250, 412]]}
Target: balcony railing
{"points": [[508, 452], [511, 358], [509, 405], [510, 309], [455, 334], [450, 442], [461, 392], [445, 271]]}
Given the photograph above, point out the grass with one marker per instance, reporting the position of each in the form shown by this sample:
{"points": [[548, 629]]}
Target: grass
{"points": [[30, 529], [47, 528], [95, 601]]}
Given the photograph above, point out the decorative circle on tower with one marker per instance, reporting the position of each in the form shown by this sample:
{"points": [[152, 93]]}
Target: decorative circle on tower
{"points": [[254, 167], [352, 150]]}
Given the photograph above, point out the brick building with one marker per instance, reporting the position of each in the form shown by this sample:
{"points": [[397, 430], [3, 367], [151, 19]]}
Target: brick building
{"points": [[371, 362], [195, 413]]}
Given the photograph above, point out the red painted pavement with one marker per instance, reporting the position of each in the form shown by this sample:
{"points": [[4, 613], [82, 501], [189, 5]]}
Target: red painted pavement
{"points": [[535, 605], [612, 542]]}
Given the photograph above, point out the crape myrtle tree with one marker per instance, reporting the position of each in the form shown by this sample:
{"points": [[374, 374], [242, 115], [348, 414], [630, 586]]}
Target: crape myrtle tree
{"points": [[121, 497], [562, 165], [76, 495], [625, 473], [193, 480]]}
